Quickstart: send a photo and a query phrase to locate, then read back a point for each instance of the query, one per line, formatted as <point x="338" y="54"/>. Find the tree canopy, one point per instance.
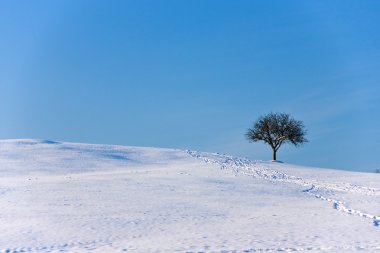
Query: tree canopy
<point x="276" y="129"/>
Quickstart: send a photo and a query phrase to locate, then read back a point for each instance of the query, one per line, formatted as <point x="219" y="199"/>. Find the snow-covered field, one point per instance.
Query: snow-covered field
<point x="67" y="197"/>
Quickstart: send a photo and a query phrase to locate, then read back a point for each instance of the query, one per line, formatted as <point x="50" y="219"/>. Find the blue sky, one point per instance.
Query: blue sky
<point x="194" y="74"/>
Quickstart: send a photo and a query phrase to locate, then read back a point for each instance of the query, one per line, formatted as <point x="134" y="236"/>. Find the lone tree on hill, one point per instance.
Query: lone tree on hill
<point x="276" y="129"/>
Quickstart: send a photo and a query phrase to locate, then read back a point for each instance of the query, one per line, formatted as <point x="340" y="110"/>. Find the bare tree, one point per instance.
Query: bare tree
<point x="276" y="129"/>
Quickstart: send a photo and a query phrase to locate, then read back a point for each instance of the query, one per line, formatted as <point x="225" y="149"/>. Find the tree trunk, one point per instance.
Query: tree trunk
<point x="274" y="155"/>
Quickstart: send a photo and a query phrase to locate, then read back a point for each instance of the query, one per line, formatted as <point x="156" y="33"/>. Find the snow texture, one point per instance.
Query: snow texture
<point x="69" y="197"/>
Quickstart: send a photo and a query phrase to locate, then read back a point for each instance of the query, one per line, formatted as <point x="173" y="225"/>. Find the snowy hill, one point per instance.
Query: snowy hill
<point x="69" y="197"/>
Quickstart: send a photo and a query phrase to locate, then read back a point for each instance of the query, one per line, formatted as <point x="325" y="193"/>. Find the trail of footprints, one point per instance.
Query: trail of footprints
<point x="254" y="169"/>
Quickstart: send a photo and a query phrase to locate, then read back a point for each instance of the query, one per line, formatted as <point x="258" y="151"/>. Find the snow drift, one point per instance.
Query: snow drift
<point x="69" y="197"/>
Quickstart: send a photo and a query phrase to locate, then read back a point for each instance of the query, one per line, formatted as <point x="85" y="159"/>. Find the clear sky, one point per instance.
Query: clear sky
<point x="194" y="74"/>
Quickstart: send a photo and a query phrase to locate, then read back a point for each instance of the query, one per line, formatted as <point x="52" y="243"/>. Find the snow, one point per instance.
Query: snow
<point x="70" y="197"/>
